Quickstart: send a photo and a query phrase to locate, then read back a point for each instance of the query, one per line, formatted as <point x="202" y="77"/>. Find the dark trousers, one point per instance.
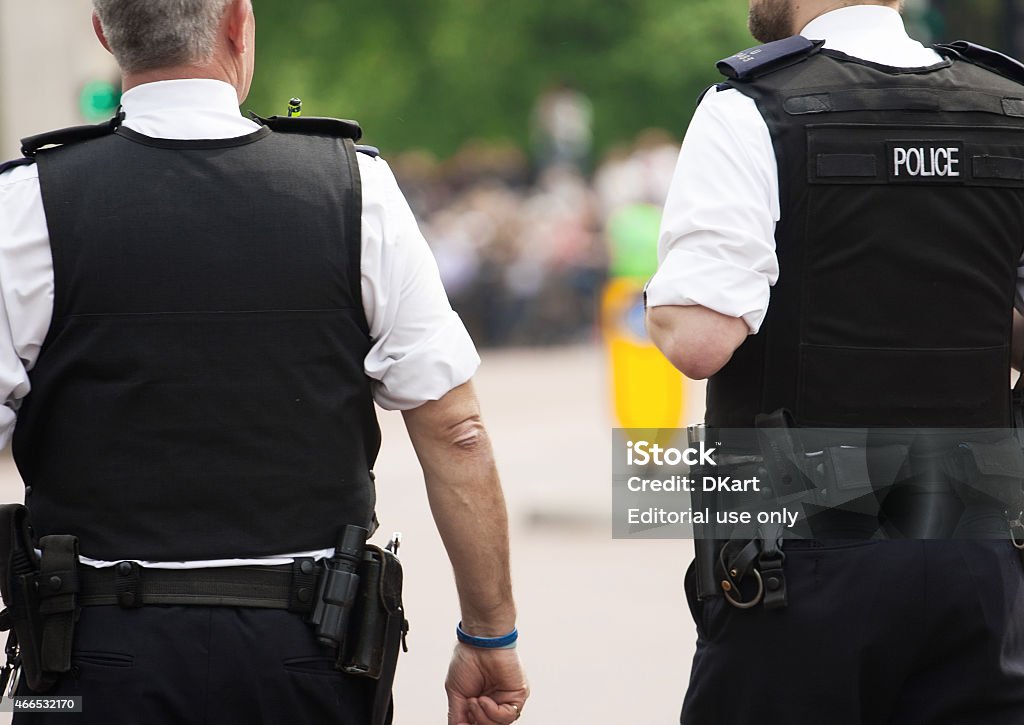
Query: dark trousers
<point x="876" y="633"/>
<point x="198" y="665"/>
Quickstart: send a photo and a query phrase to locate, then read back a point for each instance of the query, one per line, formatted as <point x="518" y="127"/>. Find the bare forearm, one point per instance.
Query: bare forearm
<point x="469" y="509"/>
<point x="698" y="341"/>
<point x="468" y="506"/>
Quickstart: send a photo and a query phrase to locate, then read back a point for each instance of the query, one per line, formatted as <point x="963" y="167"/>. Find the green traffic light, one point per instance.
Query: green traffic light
<point x="98" y="101"/>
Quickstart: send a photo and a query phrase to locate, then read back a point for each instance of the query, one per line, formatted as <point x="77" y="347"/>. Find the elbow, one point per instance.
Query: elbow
<point x="700" y="369"/>
<point x="695" y="361"/>
<point x="696" y="364"/>
<point x="467" y="435"/>
<point x="697" y="341"/>
<point x="449" y="433"/>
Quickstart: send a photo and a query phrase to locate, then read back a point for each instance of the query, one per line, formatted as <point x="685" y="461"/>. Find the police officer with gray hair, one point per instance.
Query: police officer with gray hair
<point x="840" y="248"/>
<point x="198" y="313"/>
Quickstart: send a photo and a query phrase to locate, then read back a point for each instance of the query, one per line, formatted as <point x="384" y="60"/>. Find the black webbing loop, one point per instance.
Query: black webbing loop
<point x="128" y="584"/>
<point x="57" y="586"/>
<point x="302" y="595"/>
<point x="735" y="562"/>
<point x="763" y="558"/>
<point x="770" y="562"/>
<point x="739" y="564"/>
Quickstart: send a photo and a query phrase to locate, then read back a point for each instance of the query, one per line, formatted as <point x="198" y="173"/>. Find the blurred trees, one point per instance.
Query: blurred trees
<point x="981" y="21"/>
<point x="435" y="73"/>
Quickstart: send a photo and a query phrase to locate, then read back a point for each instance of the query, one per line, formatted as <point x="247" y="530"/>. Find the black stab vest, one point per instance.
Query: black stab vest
<point x="201" y="392"/>
<point x="902" y="224"/>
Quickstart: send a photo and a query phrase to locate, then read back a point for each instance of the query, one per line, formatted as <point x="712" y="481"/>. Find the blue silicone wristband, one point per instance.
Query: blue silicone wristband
<point x="503" y="642"/>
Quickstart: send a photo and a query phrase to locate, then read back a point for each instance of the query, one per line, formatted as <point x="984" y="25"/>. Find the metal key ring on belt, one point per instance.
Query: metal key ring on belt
<point x="753" y="602"/>
<point x="1017" y="533"/>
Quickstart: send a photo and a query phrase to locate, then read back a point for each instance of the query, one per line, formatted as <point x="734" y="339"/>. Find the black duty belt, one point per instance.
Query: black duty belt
<point x="291" y="586"/>
<point x="924" y="485"/>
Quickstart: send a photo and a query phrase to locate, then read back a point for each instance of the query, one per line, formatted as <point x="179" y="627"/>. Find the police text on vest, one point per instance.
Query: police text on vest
<point x="925" y="160"/>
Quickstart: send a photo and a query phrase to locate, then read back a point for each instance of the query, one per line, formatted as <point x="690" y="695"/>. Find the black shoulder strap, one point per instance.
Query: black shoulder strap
<point x="763" y="59"/>
<point x="74" y="134"/>
<point x="311" y="124"/>
<point x="984" y="57"/>
<point x="8" y="165"/>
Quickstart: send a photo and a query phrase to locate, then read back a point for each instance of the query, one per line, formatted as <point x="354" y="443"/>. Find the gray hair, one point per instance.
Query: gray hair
<point x="147" y="35"/>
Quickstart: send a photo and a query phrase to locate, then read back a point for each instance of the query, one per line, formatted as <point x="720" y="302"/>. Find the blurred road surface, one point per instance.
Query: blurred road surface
<point x="606" y="635"/>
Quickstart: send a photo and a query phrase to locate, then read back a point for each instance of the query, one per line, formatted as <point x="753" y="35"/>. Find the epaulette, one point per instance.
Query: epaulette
<point x="64" y="136"/>
<point x="763" y="59"/>
<point x="984" y="57"/>
<point x="371" y="151"/>
<point x="8" y="165"/>
<point x="311" y="124"/>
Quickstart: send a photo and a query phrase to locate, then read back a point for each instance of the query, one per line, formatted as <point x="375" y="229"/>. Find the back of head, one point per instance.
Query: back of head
<point x="146" y="35"/>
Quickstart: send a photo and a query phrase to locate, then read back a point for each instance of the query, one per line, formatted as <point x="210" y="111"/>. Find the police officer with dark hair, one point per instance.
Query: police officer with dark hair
<point x="873" y="190"/>
<point x="197" y="313"/>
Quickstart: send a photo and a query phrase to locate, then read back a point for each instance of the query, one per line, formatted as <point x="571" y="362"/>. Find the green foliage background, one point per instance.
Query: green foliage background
<point x="435" y="73"/>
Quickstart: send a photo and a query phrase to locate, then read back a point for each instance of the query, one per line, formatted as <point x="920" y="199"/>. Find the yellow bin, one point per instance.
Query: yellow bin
<point x="647" y="392"/>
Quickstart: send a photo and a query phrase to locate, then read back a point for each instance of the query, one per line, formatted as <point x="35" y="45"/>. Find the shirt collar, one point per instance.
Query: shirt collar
<point x="870" y="32"/>
<point x="856" y="20"/>
<point x="189" y="109"/>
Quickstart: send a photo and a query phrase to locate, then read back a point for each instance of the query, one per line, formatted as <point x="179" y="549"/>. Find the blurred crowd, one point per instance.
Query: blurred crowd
<point x="522" y="245"/>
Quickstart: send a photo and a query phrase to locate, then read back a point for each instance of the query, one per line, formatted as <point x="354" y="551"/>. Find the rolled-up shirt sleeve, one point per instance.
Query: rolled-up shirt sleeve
<point x="717" y="242"/>
<point x="26" y="288"/>
<point x="420" y="348"/>
<point x="13" y="379"/>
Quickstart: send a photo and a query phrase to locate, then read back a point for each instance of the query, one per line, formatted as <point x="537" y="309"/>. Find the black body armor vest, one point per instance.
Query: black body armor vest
<point x="201" y="392"/>
<point x="902" y="197"/>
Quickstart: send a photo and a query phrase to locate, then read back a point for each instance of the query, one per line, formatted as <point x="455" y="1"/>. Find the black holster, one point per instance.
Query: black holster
<point x="40" y="595"/>
<point x="377" y="627"/>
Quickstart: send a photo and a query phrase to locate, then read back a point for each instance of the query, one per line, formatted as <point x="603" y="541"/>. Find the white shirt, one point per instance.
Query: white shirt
<point x="717" y="243"/>
<point x="420" y="350"/>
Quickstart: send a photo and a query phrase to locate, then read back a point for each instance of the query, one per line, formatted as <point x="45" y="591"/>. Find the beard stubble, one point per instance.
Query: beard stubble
<point x="771" y="20"/>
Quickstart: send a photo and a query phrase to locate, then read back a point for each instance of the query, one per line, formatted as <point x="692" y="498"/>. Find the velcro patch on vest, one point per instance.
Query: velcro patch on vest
<point x="933" y="161"/>
<point x="902" y="155"/>
<point x="999" y="167"/>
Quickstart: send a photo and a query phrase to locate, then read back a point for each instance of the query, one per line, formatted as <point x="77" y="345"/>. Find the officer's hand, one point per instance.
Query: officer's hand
<point x="485" y="686"/>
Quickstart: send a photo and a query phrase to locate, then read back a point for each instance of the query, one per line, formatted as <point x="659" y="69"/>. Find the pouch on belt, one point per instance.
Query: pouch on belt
<point x="40" y="595"/>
